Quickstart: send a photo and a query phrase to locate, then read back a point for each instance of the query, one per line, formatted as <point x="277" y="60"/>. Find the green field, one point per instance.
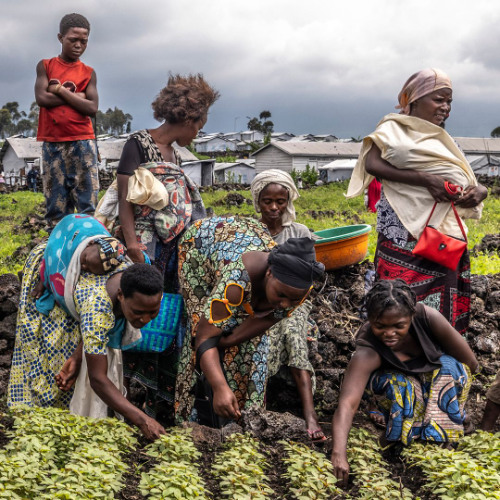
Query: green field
<point x="16" y="207"/>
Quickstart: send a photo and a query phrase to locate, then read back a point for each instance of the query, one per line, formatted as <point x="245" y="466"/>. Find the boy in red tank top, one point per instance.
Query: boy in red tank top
<point x="66" y="91"/>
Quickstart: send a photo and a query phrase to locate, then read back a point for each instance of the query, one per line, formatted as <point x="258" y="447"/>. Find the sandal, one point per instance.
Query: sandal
<point x="380" y="425"/>
<point x="317" y="439"/>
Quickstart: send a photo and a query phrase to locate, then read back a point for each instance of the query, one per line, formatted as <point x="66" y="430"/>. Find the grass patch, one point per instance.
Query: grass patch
<point x="329" y="198"/>
<point x="15" y="208"/>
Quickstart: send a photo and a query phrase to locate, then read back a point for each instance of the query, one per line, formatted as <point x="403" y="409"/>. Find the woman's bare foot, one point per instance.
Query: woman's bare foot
<point x="468" y="426"/>
<point x="314" y="429"/>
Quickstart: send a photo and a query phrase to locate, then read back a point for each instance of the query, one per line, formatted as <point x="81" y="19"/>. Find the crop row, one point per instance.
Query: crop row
<point x="239" y="468"/>
<point x="53" y="454"/>
<point x="470" y="472"/>
<point x="175" y="474"/>
<point x="370" y="471"/>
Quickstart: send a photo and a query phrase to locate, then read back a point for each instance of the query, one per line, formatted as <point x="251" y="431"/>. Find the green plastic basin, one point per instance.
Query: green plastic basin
<point x="342" y="246"/>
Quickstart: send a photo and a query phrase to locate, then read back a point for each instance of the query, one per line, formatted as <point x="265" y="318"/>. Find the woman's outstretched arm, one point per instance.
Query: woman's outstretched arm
<point x="111" y="396"/>
<point x="363" y="362"/>
<point x="450" y="340"/>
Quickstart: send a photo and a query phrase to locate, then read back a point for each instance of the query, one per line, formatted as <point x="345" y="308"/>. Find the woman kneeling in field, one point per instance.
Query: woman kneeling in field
<point x="415" y="366"/>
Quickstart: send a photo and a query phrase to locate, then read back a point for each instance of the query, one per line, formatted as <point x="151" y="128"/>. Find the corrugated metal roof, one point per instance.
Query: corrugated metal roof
<point x="336" y="164"/>
<point x="479" y="144"/>
<point x="111" y="149"/>
<point x="185" y="154"/>
<point x="315" y="148"/>
<point x="208" y="138"/>
<point x="25" y="147"/>
<point x="223" y="166"/>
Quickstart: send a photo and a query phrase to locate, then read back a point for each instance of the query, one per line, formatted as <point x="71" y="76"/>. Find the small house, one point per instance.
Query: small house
<point x="290" y="155"/>
<point x="17" y="156"/>
<point x="201" y="172"/>
<point x="281" y="136"/>
<point x="326" y="137"/>
<point x="483" y="153"/>
<point x="337" y="170"/>
<point x="214" y="144"/>
<point x="240" y="172"/>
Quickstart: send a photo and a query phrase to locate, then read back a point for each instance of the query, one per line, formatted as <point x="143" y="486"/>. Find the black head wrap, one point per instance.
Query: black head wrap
<point x="294" y="263"/>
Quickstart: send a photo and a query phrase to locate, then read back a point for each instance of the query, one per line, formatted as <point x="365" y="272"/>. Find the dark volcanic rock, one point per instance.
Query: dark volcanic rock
<point x="10" y="288"/>
<point x="8" y="327"/>
<point x="487" y="343"/>
<point x="480" y="285"/>
<point x="271" y="426"/>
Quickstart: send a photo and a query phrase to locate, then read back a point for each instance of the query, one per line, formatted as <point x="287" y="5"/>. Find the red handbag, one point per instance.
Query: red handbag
<point x="438" y="247"/>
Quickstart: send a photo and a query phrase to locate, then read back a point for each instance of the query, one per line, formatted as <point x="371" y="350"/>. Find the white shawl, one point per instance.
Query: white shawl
<point x="407" y="142"/>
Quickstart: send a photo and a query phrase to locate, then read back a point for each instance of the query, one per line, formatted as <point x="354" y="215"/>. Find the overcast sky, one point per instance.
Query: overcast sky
<point x="319" y="66"/>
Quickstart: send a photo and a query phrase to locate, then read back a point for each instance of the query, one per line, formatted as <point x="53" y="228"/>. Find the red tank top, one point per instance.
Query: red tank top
<point x="64" y="123"/>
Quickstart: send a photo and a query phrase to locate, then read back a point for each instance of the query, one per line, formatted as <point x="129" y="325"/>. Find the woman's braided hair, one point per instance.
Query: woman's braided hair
<point x="389" y="293"/>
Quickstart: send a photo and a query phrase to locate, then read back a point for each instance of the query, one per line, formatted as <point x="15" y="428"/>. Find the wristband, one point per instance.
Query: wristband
<point x="58" y="86"/>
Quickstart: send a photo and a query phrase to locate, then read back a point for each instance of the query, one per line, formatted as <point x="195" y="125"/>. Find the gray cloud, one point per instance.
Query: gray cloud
<point x="317" y="66"/>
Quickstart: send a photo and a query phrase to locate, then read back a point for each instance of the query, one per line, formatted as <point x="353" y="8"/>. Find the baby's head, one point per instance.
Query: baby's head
<point x="387" y="294"/>
<point x="102" y="255"/>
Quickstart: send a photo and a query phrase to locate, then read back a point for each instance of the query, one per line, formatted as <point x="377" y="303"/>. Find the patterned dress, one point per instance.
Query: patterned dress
<point x="210" y="259"/>
<point x="436" y="286"/>
<point x="289" y="345"/>
<point x="289" y="339"/>
<point x="156" y="372"/>
<point x="44" y="343"/>
<point x="423" y="397"/>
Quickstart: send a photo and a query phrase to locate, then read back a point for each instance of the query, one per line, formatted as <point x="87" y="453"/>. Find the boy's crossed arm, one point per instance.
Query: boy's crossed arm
<point x="50" y="95"/>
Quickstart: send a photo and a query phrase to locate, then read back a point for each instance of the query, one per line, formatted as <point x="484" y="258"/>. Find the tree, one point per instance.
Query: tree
<point x="15" y="121"/>
<point x="264" y="115"/>
<point x="13" y="108"/>
<point x="5" y="122"/>
<point x="34" y="115"/>
<point x="262" y="124"/>
<point x="24" y="126"/>
<point x="495" y="132"/>
<point x="113" y="121"/>
<point x="254" y="124"/>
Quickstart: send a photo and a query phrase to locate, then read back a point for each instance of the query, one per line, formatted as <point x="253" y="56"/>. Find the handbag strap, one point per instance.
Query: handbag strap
<point x="430" y="215"/>
<point x="456" y="216"/>
<point x="458" y="220"/>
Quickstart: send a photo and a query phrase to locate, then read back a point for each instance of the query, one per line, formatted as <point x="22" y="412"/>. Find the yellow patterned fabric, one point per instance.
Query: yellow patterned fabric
<point x="429" y="407"/>
<point x="44" y="343"/>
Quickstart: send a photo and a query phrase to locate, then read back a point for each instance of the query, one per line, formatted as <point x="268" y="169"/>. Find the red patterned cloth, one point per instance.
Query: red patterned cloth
<point x="373" y="195"/>
<point x="436" y="286"/>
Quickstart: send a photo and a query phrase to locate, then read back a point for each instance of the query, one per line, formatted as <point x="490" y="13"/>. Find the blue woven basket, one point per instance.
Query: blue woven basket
<point x="159" y="333"/>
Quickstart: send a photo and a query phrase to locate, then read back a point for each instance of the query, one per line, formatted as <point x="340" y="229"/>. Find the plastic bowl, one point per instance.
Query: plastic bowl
<point x="342" y="246"/>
